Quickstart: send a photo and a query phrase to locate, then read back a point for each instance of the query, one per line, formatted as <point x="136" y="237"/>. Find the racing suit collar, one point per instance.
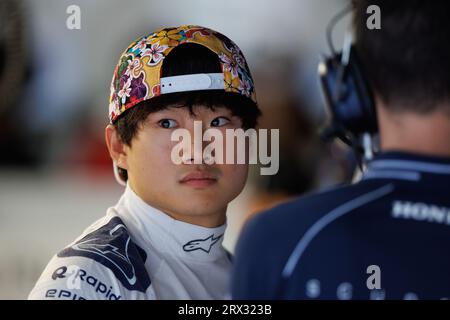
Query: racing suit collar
<point x="396" y="160"/>
<point x="409" y="156"/>
<point x="169" y="235"/>
<point x="429" y="170"/>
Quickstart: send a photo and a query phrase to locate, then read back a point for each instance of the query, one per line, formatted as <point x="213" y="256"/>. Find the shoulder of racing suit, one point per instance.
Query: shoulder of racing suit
<point x="103" y="264"/>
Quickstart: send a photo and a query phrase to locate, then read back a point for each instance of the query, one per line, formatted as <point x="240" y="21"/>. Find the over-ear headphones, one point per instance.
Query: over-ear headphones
<point x="347" y="96"/>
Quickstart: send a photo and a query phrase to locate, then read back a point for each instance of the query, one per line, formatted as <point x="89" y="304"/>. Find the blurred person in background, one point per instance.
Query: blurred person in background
<point x="163" y="239"/>
<point x="305" y="163"/>
<point x="298" y="144"/>
<point x="386" y="236"/>
<point x="14" y="73"/>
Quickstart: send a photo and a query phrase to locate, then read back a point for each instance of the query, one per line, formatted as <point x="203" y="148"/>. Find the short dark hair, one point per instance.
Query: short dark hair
<point x="407" y="61"/>
<point x="187" y="58"/>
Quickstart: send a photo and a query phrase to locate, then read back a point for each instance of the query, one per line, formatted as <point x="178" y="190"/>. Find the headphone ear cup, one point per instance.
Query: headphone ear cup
<point x="347" y="96"/>
<point x="331" y="93"/>
<point x="366" y="103"/>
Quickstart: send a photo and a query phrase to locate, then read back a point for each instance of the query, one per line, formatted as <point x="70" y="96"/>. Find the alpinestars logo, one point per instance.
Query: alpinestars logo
<point x="202" y="244"/>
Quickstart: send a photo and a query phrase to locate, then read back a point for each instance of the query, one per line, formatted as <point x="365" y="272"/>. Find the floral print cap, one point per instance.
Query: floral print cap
<point x="137" y="76"/>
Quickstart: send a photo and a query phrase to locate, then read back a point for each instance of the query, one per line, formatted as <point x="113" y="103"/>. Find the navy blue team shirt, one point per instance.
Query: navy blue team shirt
<point x="384" y="237"/>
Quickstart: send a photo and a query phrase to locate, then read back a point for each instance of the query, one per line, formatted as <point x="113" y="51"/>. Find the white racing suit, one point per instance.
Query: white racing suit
<point x="138" y="252"/>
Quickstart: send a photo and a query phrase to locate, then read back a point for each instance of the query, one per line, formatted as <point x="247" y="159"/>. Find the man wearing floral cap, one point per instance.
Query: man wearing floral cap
<point x="163" y="239"/>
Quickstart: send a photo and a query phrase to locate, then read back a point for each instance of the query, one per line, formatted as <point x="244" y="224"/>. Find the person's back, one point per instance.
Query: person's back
<point x="386" y="236"/>
<point x="330" y="245"/>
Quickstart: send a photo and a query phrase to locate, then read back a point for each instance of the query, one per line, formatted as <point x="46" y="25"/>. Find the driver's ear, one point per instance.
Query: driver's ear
<point x="116" y="147"/>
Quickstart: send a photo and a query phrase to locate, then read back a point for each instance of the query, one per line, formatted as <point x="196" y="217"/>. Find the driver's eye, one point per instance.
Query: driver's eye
<point x="167" y="123"/>
<point x="219" y="121"/>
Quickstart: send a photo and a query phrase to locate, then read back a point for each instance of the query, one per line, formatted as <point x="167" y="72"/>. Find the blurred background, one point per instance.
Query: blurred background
<point x="55" y="173"/>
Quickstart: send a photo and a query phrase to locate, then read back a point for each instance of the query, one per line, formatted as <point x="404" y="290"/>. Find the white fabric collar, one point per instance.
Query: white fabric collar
<point x="151" y="227"/>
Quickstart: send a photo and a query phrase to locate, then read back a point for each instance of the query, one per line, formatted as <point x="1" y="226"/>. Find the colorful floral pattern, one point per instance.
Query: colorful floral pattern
<point x="137" y="75"/>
